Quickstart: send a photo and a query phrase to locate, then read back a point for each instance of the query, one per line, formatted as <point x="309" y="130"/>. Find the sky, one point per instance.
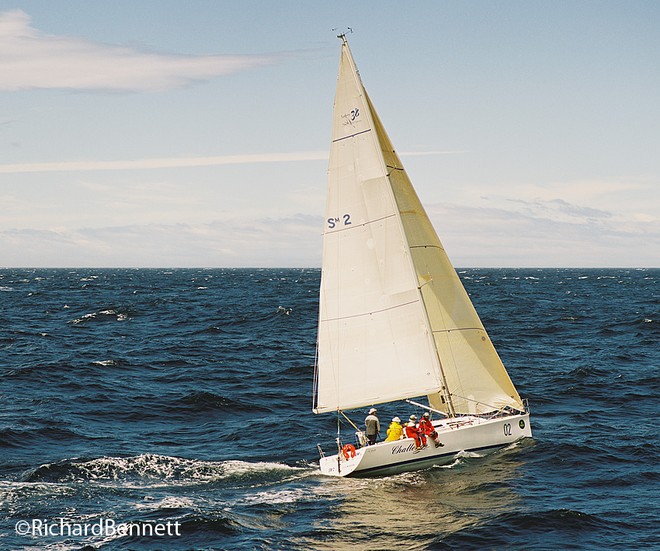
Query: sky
<point x="196" y="134"/>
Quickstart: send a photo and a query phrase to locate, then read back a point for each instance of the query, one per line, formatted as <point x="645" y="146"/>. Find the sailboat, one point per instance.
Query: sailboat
<point x="395" y="322"/>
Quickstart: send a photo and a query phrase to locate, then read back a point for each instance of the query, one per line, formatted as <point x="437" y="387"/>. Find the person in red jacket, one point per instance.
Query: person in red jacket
<point x="412" y="431"/>
<point x="426" y="428"/>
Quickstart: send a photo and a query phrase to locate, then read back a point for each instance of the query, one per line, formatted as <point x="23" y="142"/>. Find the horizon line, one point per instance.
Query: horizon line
<point x="457" y="268"/>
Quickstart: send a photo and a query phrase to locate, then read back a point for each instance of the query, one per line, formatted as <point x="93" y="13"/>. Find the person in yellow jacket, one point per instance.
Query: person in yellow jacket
<point x="395" y="430"/>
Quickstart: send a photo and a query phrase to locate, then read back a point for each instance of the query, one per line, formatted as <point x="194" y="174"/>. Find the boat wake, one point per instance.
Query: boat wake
<point x="154" y="470"/>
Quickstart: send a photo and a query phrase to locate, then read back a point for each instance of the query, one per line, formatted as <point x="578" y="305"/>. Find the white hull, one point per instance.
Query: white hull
<point x="459" y="434"/>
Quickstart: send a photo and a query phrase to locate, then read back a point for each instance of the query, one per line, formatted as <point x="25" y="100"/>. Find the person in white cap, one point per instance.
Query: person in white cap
<point x="373" y="426"/>
<point x="413" y="432"/>
<point x="395" y="432"/>
<point x="426" y="427"/>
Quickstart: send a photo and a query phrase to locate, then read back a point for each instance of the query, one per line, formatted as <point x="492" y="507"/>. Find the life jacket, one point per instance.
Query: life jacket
<point x="411" y="430"/>
<point x="394" y="432"/>
<point x="425" y="426"/>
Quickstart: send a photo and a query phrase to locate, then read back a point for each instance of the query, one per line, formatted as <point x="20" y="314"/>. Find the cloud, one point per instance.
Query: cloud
<point x="293" y="241"/>
<point x="517" y="233"/>
<point x="473" y="236"/>
<point x="178" y="162"/>
<point x="559" y="209"/>
<point x="31" y="59"/>
<point x="172" y="162"/>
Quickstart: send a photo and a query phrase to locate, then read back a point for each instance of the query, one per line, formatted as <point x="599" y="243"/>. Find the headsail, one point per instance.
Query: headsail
<point x="394" y="319"/>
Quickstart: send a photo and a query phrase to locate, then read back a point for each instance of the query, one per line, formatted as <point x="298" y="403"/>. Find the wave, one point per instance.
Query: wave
<point x="533" y="528"/>
<point x="230" y="324"/>
<point x="73" y="372"/>
<point x="169" y="503"/>
<point x="12" y="438"/>
<point x="109" y="314"/>
<point x="217" y="523"/>
<point x="276" y="497"/>
<point x="207" y="401"/>
<point x="154" y="470"/>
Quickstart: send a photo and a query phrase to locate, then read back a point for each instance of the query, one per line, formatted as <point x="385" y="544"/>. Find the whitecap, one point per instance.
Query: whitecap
<point x="160" y="470"/>
<point x="457" y="461"/>
<point x="83" y="318"/>
<point x="464" y="453"/>
<point x="168" y="502"/>
<point x="105" y="363"/>
<point x="279" y="496"/>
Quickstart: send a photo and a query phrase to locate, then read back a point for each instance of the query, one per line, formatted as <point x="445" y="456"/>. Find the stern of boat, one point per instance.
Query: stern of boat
<point x="340" y="465"/>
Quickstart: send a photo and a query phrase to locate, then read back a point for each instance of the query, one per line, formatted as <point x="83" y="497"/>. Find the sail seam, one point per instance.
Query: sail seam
<point x="351" y="135"/>
<point x="458" y="329"/>
<point x="370" y="313"/>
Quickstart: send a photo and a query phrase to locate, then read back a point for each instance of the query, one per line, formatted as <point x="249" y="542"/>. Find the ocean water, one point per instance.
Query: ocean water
<point x="139" y="398"/>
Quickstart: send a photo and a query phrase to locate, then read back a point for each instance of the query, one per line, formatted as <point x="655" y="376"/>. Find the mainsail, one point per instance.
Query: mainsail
<point x="394" y="319"/>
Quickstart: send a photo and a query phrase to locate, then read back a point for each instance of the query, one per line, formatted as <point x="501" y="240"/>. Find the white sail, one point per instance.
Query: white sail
<point x="394" y="319"/>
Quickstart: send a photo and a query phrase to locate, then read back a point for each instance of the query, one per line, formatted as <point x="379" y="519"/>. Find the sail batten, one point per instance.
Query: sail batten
<point x="372" y="312"/>
<point x="351" y="135"/>
<point x="394" y="319"/>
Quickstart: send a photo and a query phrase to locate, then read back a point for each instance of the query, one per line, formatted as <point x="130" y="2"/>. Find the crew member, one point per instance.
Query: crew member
<point x="395" y="431"/>
<point x="426" y="427"/>
<point x="413" y="432"/>
<point x="373" y="426"/>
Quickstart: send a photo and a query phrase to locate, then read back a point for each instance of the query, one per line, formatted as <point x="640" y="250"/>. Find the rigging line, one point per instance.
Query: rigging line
<point x="351" y="135"/>
<point x="371" y="313"/>
<point x="315" y="394"/>
<point x="445" y="386"/>
<point x="446" y="394"/>
<point x="338" y="444"/>
<point x="351" y="422"/>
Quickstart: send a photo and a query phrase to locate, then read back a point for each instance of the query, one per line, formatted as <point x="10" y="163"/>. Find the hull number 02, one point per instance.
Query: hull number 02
<point x="507" y="429"/>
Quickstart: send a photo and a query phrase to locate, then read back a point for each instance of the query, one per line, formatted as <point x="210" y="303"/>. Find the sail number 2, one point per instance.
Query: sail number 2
<point x="345" y="220"/>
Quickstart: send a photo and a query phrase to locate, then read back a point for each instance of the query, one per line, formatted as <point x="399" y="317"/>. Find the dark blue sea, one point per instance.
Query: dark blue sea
<point x="182" y="399"/>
